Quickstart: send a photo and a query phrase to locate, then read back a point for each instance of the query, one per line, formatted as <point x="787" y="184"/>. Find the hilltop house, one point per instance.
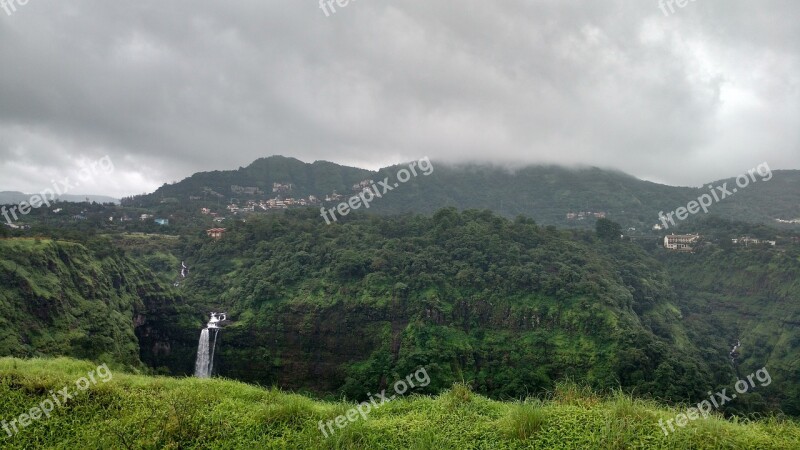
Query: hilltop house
<point x="680" y="242"/>
<point x="215" y="233"/>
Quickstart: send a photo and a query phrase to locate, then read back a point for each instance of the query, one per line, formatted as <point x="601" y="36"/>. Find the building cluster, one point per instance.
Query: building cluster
<point x="265" y="205"/>
<point x="685" y="242"/>
<point x="583" y="215"/>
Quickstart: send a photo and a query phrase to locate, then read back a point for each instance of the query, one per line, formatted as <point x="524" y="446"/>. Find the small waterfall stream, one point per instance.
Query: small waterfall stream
<point x="734" y="355"/>
<point x="734" y="351"/>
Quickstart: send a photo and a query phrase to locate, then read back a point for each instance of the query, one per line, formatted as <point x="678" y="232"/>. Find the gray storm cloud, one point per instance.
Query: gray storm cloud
<point x="170" y="88"/>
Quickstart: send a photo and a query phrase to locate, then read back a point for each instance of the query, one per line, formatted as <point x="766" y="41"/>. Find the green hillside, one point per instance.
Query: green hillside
<point x="132" y="411"/>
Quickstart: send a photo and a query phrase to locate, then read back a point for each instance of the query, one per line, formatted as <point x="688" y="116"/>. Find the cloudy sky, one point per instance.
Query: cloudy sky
<point x="169" y="88"/>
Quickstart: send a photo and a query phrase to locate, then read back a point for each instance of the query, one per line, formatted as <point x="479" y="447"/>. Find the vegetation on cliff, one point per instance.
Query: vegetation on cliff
<point x="67" y="298"/>
<point x="510" y="306"/>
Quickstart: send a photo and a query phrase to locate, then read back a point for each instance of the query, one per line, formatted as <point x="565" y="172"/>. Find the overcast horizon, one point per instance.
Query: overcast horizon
<point x="682" y="97"/>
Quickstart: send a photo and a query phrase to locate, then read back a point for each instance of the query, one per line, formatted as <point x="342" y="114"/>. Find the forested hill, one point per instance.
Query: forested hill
<point x="316" y="178"/>
<point x="510" y="305"/>
<point x="545" y="193"/>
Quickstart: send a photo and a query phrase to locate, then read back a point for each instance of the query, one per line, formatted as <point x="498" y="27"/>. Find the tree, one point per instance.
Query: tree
<point x="607" y="229"/>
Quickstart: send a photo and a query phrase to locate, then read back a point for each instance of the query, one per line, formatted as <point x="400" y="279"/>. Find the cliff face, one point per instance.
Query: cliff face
<point x="302" y="347"/>
<point x="343" y="347"/>
<point x="167" y="333"/>
<point x="64" y="298"/>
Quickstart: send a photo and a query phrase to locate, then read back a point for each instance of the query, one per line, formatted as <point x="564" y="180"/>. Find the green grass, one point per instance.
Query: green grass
<point x="133" y="411"/>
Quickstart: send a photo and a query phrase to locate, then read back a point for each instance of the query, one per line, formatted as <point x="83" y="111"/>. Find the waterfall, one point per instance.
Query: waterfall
<point x="202" y="367"/>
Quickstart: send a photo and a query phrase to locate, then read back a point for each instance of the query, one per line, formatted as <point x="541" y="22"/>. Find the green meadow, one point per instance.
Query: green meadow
<point x="149" y="412"/>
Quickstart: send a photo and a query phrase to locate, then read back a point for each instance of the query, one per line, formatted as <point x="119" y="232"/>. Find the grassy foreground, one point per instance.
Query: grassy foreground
<point x="133" y="411"/>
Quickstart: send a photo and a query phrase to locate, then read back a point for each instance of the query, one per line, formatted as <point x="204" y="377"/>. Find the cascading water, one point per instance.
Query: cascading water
<point x="204" y="364"/>
<point x="202" y="367"/>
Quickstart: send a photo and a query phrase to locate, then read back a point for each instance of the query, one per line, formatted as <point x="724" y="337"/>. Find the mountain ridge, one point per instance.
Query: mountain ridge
<point x="547" y="193"/>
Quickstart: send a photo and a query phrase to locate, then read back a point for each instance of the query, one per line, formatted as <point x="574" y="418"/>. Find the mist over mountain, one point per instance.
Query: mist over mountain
<point x="547" y="193"/>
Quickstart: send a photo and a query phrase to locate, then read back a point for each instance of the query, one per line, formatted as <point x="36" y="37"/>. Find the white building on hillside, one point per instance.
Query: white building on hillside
<point x="680" y="242"/>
